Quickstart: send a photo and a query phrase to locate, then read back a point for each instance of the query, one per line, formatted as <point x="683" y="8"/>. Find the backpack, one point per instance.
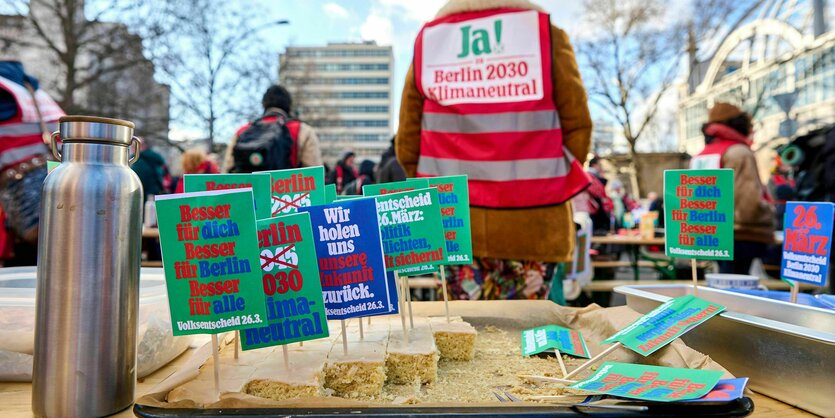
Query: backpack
<point x="267" y="145"/>
<point x="355" y="187"/>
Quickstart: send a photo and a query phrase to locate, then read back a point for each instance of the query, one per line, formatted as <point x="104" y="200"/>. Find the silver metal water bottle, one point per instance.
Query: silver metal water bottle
<point x="88" y="272"/>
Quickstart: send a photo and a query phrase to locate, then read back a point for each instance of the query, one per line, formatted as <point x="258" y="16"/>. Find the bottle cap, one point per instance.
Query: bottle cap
<point x="95" y="129"/>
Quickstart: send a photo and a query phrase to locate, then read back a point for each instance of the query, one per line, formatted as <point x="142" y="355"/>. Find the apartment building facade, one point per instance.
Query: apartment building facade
<point x="343" y="90"/>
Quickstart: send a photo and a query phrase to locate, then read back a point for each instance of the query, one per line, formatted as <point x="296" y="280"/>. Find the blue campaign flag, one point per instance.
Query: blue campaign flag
<point x="806" y="246"/>
<point x="351" y="265"/>
<point x="725" y="390"/>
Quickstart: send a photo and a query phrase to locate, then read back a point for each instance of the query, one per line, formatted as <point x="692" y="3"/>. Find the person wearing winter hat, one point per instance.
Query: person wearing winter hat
<point x="494" y="92"/>
<point x="728" y="145"/>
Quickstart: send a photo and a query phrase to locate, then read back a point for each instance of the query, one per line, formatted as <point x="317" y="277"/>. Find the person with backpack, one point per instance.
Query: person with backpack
<point x="344" y="172"/>
<point x="274" y="141"/>
<point x="366" y="176"/>
<point x="389" y="170"/>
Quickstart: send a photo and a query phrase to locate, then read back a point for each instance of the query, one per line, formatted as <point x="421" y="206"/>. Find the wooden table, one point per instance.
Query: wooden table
<point x="609" y="285"/>
<point x="626" y="240"/>
<point x="15" y="398"/>
<point x="149" y="234"/>
<point x="635" y="242"/>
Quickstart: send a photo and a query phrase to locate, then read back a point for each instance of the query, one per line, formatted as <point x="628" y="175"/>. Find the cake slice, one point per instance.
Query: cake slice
<point x="361" y="372"/>
<point x="234" y="375"/>
<point x="455" y="340"/>
<point x="304" y="377"/>
<point x="415" y="360"/>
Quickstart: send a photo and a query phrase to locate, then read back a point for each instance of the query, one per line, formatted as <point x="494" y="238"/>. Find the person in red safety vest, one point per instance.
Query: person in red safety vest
<point x="728" y="145"/>
<point x="27" y="117"/>
<point x="494" y="92"/>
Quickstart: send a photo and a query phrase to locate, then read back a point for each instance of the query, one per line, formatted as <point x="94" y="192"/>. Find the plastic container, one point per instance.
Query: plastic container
<point x="733" y="281"/>
<point x="802" y="298"/>
<point x="156" y="344"/>
<point x="828" y="300"/>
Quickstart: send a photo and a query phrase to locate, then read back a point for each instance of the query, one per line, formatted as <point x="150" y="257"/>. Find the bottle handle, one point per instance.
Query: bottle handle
<point x="53" y="146"/>
<point x="137" y="148"/>
<point x="135" y="141"/>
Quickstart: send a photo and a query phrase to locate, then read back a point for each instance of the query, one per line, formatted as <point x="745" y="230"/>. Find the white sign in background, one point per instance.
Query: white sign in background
<point x="454" y="73"/>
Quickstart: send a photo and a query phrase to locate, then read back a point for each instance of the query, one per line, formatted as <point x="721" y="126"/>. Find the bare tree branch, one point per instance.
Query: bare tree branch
<point x="215" y="81"/>
<point x="633" y="60"/>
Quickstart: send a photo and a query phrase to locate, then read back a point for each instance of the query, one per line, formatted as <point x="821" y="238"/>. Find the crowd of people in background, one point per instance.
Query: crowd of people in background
<point x="759" y="209"/>
<point x="346" y="174"/>
<point x="527" y="208"/>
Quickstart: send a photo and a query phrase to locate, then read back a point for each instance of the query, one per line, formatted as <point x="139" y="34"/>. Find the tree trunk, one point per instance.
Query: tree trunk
<point x="211" y="140"/>
<point x="68" y="99"/>
<point x="634" y="171"/>
<point x="212" y="119"/>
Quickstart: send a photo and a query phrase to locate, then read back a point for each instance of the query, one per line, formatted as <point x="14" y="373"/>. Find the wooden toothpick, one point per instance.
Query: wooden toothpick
<point x="409" y="301"/>
<point x="402" y="307"/>
<point x="344" y="338"/>
<point x="286" y="357"/>
<point x="695" y="277"/>
<point x="562" y="363"/>
<point x="216" y="358"/>
<point x="593" y="360"/>
<point x="548" y="379"/>
<point x="446" y="297"/>
<point x="793" y="292"/>
<point x="237" y="342"/>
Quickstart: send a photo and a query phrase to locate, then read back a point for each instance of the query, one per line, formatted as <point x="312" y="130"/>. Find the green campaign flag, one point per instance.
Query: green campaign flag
<point x="349" y="197"/>
<point x="665" y="323"/>
<point x="210" y="258"/>
<point x="394" y="187"/>
<point x="549" y="337"/>
<point x="258" y="182"/>
<point x="290" y="281"/>
<point x="650" y="383"/>
<point x="397" y="187"/>
<point x="699" y="214"/>
<point x="295" y="188"/>
<point x="330" y="193"/>
<point x="454" y="198"/>
<point x="411" y="229"/>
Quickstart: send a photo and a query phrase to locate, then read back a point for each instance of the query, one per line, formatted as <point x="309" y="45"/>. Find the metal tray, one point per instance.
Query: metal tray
<point x="512" y="316"/>
<point x="787" y="350"/>
<point x="736" y="408"/>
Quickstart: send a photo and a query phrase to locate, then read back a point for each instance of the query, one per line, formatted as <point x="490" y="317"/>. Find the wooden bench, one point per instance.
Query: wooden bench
<point x="424" y="283"/>
<point x="609" y="285"/>
<point x="619" y="263"/>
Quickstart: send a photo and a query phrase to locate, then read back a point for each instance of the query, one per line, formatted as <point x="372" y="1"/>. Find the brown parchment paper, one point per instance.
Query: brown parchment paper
<point x="594" y="322"/>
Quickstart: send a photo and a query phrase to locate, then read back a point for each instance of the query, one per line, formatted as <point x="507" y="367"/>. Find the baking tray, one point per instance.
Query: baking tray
<point x="736" y="408"/>
<point x="787" y="350"/>
<point x="511" y="316"/>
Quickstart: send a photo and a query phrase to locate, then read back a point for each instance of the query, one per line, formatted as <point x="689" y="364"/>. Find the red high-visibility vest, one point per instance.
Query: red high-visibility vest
<point x="711" y="155"/>
<point x="21" y="136"/>
<point x="489" y="110"/>
<point x="711" y="158"/>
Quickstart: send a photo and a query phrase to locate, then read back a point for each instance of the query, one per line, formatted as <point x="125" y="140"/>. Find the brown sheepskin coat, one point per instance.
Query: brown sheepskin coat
<point x="541" y="234"/>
